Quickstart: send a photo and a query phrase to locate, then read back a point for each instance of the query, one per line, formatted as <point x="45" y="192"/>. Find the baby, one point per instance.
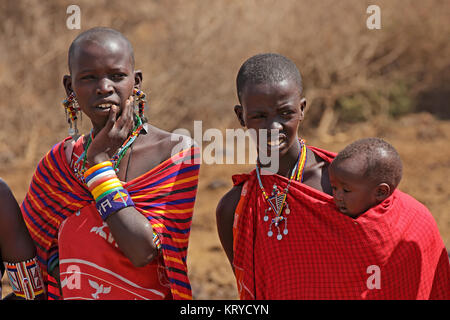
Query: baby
<point x="364" y="174"/>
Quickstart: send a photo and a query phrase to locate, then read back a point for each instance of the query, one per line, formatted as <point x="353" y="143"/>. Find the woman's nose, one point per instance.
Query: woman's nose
<point x="104" y="86"/>
<point x="275" y="125"/>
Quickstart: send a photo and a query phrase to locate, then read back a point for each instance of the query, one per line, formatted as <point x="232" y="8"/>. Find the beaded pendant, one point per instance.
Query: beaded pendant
<point x="278" y="206"/>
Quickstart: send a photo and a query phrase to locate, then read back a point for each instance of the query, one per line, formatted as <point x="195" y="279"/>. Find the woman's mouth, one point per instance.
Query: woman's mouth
<point x="105" y="106"/>
<point x="274" y="143"/>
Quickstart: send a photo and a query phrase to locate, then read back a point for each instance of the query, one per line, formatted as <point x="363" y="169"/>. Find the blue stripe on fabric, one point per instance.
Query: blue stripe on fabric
<point x="59" y="168"/>
<point x="179" y="201"/>
<point x="172" y="248"/>
<point x="180" y="283"/>
<point x="36" y="223"/>
<point x="56" y="212"/>
<point x="181" y="171"/>
<point x="59" y="187"/>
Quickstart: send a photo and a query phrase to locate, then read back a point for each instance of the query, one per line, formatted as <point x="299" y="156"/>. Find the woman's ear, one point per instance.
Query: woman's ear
<point x="302" y="108"/>
<point x="67" y="83"/>
<point x="382" y="191"/>
<point x="240" y="114"/>
<point x="138" y="79"/>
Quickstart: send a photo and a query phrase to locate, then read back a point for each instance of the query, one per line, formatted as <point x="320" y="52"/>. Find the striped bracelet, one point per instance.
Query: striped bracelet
<point x="156" y="240"/>
<point x="25" y="278"/>
<point x="108" y="192"/>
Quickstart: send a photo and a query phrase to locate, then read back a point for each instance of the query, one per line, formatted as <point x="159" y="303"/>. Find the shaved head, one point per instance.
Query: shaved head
<point x="105" y="37"/>
<point x="267" y="68"/>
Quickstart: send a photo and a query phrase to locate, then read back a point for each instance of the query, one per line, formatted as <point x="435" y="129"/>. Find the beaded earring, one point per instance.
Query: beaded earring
<point x="140" y="101"/>
<point x="72" y="110"/>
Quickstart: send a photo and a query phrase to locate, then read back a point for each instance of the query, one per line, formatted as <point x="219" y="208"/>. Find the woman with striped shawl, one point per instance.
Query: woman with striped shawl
<point x="110" y="211"/>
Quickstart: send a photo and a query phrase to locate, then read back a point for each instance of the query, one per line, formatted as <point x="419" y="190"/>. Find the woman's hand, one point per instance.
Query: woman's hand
<point x="112" y="135"/>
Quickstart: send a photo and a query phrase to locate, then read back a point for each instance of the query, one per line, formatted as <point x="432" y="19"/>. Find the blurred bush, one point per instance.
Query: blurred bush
<point x="190" y="52"/>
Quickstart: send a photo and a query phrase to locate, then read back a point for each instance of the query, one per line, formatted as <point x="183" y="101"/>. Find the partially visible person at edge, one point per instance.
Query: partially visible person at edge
<point x="110" y="211"/>
<point x="282" y="232"/>
<point x="17" y="251"/>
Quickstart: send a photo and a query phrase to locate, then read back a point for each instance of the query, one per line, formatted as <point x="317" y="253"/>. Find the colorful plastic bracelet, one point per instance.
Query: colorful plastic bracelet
<point x="106" y="189"/>
<point x="100" y="178"/>
<point x="96" y="167"/>
<point x="105" y="186"/>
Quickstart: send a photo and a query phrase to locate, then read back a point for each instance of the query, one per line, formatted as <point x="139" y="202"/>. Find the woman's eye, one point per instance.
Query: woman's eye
<point x="118" y="76"/>
<point x="346" y="190"/>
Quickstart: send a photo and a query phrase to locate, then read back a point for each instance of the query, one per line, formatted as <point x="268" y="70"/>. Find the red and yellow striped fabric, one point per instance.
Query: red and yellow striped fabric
<point x="165" y="195"/>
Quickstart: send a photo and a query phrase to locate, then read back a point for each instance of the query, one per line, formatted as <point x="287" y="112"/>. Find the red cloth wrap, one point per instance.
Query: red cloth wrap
<point x="392" y="251"/>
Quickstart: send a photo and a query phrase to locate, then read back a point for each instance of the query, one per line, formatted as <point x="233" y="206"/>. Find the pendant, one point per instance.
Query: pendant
<point x="277" y="202"/>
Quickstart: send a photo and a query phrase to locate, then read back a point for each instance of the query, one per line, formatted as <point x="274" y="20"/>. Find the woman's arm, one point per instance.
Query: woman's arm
<point x="225" y="217"/>
<point x="15" y="241"/>
<point x="132" y="231"/>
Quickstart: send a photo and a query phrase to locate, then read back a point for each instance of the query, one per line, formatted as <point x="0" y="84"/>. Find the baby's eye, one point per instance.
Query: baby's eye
<point x="346" y="190"/>
<point x="258" y="116"/>
<point x="88" y="77"/>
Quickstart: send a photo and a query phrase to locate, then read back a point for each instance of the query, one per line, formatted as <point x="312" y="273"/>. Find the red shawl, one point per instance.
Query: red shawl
<point x="165" y="195"/>
<point x="392" y="251"/>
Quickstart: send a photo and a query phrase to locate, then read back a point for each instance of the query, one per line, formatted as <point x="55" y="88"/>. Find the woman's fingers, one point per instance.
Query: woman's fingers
<point x="111" y="119"/>
<point x="125" y="121"/>
<point x="114" y="133"/>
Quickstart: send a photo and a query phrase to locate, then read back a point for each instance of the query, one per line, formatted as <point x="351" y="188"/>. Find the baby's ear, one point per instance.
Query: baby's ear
<point x="382" y="191"/>
<point x="240" y="114"/>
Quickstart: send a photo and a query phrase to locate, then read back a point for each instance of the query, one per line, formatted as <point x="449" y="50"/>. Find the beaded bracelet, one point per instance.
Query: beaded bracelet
<point x="156" y="240"/>
<point x="25" y="278"/>
<point x="109" y="194"/>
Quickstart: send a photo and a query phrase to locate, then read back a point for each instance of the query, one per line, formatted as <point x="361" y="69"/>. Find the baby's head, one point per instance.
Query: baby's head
<point x="364" y="174"/>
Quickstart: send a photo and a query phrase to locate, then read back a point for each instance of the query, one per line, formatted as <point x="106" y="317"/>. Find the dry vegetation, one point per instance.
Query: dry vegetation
<point x="358" y="82"/>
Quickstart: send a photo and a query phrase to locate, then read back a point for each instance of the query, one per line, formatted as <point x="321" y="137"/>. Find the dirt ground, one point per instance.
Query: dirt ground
<point x="422" y="141"/>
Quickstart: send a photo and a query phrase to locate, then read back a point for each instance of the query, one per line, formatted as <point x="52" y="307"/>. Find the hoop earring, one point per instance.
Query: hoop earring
<point x="140" y="101"/>
<point x="72" y="110"/>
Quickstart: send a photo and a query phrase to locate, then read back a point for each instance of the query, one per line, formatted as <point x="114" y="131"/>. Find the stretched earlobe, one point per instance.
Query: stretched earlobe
<point x="240" y="114"/>
<point x="67" y="83"/>
<point x="138" y="79"/>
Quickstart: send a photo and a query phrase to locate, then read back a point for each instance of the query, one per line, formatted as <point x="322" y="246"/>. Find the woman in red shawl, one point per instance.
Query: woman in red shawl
<point x="282" y="232"/>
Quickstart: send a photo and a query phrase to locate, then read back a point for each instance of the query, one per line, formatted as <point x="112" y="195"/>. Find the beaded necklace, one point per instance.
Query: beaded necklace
<point x="277" y="200"/>
<point x="116" y="158"/>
